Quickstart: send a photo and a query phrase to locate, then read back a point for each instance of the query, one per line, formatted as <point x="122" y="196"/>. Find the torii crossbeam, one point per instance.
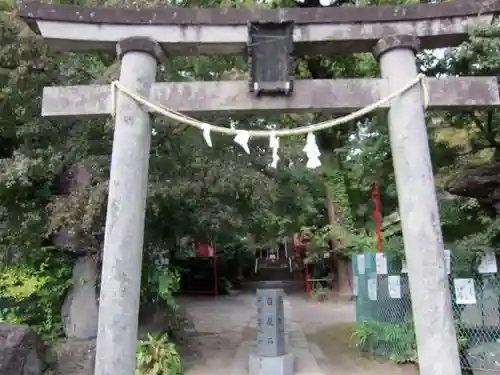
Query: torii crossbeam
<point x="232" y="97"/>
<point x="215" y="31"/>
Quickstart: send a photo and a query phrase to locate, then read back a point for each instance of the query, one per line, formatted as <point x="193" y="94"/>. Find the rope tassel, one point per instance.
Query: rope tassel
<point x="312" y="152"/>
<point x="242" y="138"/>
<point x="274" y="144"/>
<point x="206" y="134"/>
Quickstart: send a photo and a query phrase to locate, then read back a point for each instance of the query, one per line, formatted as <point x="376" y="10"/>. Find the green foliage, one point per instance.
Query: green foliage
<point x="473" y="136"/>
<point x="221" y="193"/>
<point x="194" y="190"/>
<point x="158" y="283"/>
<point x="468" y="251"/>
<point x="32" y="293"/>
<point x="351" y="242"/>
<point x="396" y="341"/>
<point x="335" y="179"/>
<point x="217" y="192"/>
<point x="157" y="356"/>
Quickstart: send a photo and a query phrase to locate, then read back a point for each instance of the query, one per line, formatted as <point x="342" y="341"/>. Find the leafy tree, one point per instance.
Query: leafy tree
<point x="221" y="193"/>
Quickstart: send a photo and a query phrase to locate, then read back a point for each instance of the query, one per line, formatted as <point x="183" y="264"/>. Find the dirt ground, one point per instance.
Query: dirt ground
<point x="328" y="326"/>
<point x="226" y="326"/>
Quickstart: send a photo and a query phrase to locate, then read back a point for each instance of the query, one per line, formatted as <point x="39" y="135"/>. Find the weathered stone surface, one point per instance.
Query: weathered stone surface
<point x="232" y="97"/>
<point x="396" y="41"/>
<point x="71" y="184"/>
<point x="80" y="309"/>
<point x="66" y="239"/>
<point x="155" y="319"/>
<point x="21" y="351"/>
<point x="337" y="30"/>
<point x="139" y="44"/>
<point x="75" y="178"/>
<point x="75" y="357"/>
<point x="240" y="16"/>
<point x="271" y="323"/>
<point x="482" y="183"/>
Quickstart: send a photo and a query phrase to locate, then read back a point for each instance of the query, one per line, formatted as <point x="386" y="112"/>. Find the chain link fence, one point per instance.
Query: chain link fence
<point x="384" y="311"/>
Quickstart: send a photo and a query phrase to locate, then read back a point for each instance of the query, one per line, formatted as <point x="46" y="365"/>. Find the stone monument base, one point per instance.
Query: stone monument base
<point x="259" y="365"/>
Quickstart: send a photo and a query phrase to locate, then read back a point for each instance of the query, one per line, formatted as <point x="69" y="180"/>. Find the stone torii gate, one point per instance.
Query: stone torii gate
<point x="392" y="33"/>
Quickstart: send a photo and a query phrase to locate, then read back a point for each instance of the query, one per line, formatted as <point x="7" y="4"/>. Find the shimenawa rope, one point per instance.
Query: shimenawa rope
<point x="179" y="117"/>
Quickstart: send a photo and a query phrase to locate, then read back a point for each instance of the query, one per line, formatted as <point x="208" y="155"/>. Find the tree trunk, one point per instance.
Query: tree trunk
<point x="344" y="275"/>
<point x="341" y="264"/>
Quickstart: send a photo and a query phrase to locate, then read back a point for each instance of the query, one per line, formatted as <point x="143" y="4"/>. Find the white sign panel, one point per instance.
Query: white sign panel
<point x="447" y="261"/>
<point x="488" y="264"/>
<point x="372" y="289"/>
<point x="404" y="267"/>
<point x="361" y="264"/>
<point x="465" y="293"/>
<point x="355" y="285"/>
<point x="381" y="263"/>
<point x="394" y="285"/>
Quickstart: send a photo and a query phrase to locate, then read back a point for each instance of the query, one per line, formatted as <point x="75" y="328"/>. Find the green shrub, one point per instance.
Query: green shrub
<point x="394" y="341"/>
<point x="32" y="292"/>
<point x="159" y="283"/>
<point x="157" y="356"/>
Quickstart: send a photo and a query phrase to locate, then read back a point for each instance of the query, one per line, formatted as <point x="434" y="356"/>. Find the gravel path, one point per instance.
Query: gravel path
<point x="319" y="333"/>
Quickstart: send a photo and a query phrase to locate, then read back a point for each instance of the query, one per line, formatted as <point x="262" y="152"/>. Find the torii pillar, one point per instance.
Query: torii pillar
<point x="419" y="212"/>
<point x="124" y="235"/>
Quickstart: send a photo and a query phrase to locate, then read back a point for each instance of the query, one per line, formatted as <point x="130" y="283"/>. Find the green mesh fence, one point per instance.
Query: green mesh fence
<point x="384" y="312"/>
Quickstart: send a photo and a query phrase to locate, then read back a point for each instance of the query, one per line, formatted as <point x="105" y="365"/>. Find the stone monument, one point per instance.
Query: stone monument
<point x="271" y="356"/>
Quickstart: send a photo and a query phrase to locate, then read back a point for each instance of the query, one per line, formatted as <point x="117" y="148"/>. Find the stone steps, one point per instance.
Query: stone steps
<point x="288" y="286"/>
<point x="272" y="270"/>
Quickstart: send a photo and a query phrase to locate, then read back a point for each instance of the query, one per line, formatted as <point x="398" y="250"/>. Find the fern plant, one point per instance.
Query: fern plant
<point x="157" y="356"/>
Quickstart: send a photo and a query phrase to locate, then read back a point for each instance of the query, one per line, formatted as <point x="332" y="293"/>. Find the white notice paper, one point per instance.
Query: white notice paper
<point x="381" y="264"/>
<point x="355" y="286"/>
<point x="404" y="267"/>
<point x="447" y="261"/>
<point x="361" y="264"/>
<point x="372" y="289"/>
<point x="465" y="293"/>
<point x="488" y="264"/>
<point x="394" y="285"/>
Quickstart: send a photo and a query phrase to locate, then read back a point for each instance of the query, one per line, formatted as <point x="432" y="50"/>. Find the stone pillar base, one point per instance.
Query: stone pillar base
<point x="282" y="365"/>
